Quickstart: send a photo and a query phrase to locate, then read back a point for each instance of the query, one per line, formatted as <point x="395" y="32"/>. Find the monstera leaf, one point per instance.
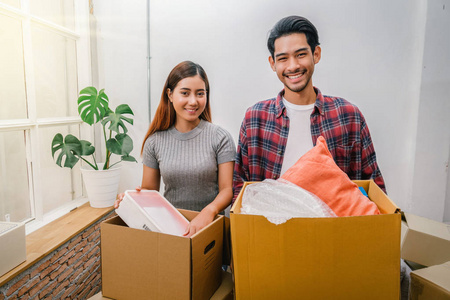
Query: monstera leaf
<point x="122" y="145"/>
<point x="69" y="147"/>
<point x="92" y="106"/>
<point x="116" y="119"/>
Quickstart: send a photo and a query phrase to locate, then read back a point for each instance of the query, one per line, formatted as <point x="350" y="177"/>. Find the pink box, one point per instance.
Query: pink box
<point x="149" y="210"/>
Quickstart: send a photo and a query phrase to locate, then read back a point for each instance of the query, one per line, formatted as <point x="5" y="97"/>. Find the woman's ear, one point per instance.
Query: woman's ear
<point x="169" y="94"/>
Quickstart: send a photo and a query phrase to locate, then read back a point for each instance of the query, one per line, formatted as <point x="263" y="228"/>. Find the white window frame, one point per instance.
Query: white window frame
<point x="30" y="126"/>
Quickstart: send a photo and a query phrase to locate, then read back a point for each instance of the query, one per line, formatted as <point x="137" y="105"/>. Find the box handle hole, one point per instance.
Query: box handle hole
<point x="209" y="247"/>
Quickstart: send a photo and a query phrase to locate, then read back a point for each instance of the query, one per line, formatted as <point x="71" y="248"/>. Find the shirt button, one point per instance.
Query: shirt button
<point x="274" y="177"/>
<point x="279" y="152"/>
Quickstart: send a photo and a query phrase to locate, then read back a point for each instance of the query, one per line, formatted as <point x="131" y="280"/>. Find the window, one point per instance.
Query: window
<point x="44" y="59"/>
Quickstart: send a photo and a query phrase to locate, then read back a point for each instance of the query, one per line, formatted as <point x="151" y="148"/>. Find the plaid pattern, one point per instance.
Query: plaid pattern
<point x="264" y="131"/>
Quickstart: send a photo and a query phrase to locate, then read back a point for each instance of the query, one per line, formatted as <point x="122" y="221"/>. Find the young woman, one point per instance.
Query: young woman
<point x="194" y="157"/>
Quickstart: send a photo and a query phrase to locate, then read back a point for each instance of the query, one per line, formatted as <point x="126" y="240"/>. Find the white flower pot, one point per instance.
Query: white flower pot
<point x="101" y="185"/>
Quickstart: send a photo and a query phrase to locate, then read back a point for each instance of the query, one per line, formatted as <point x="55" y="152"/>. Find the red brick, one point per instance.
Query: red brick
<point x="60" y="287"/>
<point x="75" y="275"/>
<point x="74" y="242"/>
<point x="47" y="290"/>
<point x="66" y="256"/>
<point x="55" y="273"/>
<point x="25" y="288"/>
<point x="41" y="267"/>
<point x="48" y="270"/>
<point x="94" y="236"/>
<point x="78" y="264"/>
<point x="88" y="232"/>
<point x="74" y="258"/>
<point x="17" y="285"/>
<point x="58" y="254"/>
<point x="2" y="297"/>
<point x="83" y="276"/>
<point x="88" y="248"/>
<point x="93" y="292"/>
<point x="90" y="262"/>
<point x="65" y="274"/>
<point x="80" y="245"/>
<point x="96" y="265"/>
<point x="94" y="252"/>
<point x="84" y="292"/>
<point x="39" y="286"/>
<point x="68" y="291"/>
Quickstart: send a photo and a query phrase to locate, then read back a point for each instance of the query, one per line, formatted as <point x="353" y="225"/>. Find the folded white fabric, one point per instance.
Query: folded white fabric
<point x="280" y="200"/>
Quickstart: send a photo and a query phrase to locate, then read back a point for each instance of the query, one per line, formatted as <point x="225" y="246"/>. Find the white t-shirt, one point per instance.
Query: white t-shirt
<point x="299" y="139"/>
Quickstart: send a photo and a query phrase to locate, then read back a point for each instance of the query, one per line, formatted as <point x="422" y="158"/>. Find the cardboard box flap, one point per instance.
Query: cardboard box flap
<point x="425" y="241"/>
<point x="427" y="226"/>
<point x="384" y="203"/>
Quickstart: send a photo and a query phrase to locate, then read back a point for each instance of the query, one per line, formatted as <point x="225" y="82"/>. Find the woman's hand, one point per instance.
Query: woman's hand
<point x="120" y="197"/>
<point x="205" y="217"/>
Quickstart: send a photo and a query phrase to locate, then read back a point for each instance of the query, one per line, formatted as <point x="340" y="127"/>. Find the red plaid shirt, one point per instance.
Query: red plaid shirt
<point x="265" y="129"/>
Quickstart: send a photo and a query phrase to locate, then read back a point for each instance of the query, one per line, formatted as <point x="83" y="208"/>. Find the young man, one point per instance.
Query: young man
<point x="275" y="133"/>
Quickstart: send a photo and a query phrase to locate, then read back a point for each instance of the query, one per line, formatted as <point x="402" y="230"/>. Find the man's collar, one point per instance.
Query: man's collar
<point x="318" y="105"/>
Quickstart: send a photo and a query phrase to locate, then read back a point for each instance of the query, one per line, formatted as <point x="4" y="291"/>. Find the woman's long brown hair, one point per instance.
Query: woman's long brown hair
<point x="165" y="113"/>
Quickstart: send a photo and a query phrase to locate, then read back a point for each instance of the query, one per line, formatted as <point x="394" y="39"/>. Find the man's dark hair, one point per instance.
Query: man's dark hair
<point x="290" y="25"/>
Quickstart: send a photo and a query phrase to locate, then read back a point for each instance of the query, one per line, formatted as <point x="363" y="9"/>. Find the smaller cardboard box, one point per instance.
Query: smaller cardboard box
<point x="318" y="258"/>
<point x="139" y="264"/>
<point x="12" y="246"/>
<point x="424" y="241"/>
<point x="431" y="283"/>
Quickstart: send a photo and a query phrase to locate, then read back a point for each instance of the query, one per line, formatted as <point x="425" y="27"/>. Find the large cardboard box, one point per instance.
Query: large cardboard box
<point x="431" y="283"/>
<point x="424" y="241"/>
<point x="139" y="264"/>
<point x="318" y="258"/>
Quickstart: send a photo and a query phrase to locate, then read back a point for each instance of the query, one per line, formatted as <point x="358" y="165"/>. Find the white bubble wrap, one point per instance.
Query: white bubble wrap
<point x="280" y="200"/>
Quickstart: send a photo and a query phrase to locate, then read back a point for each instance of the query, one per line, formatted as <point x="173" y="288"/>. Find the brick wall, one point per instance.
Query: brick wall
<point x="70" y="272"/>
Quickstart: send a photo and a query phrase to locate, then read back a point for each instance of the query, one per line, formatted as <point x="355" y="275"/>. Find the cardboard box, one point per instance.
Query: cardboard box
<point x="431" y="283"/>
<point x="318" y="258"/>
<point x="425" y="241"/>
<point x="139" y="264"/>
<point x="12" y="246"/>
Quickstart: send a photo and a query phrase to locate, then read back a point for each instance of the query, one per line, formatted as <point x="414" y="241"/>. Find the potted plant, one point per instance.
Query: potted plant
<point x="93" y="107"/>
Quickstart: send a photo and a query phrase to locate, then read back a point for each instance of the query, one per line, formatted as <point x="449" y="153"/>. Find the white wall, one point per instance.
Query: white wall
<point x="433" y="129"/>
<point x="121" y="54"/>
<point x="373" y="53"/>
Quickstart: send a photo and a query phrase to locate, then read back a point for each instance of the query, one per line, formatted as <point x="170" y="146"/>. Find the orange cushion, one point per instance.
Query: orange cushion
<point x="317" y="173"/>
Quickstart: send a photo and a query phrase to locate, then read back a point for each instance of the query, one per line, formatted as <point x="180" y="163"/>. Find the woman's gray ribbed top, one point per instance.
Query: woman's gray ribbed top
<point x="188" y="162"/>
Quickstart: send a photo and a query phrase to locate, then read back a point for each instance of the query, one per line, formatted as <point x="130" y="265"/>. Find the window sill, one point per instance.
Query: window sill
<point x="43" y="241"/>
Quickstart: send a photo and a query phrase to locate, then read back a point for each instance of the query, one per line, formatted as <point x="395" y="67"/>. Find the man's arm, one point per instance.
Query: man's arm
<point x="369" y="165"/>
<point x="241" y="165"/>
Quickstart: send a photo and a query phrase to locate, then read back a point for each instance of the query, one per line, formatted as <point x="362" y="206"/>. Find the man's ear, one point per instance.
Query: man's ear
<point x="169" y="94"/>
<point x="272" y="63"/>
<point x="317" y="54"/>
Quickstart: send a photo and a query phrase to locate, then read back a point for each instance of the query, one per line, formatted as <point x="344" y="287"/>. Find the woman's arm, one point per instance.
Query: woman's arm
<point x="222" y="200"/>
<point x="150" y="179"/>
